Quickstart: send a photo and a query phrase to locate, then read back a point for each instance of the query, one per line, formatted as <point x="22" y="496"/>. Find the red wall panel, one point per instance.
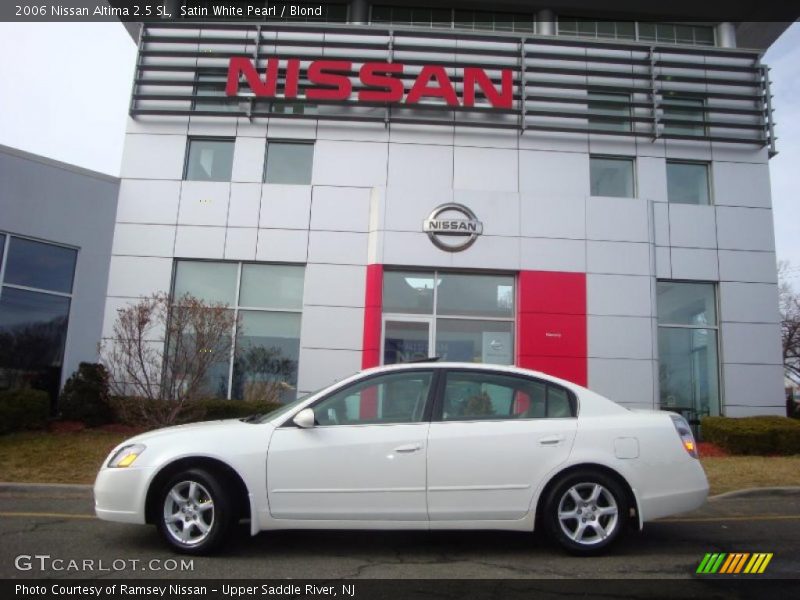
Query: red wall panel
<point x="373" y="305"/>
<point x="551" y="324"/>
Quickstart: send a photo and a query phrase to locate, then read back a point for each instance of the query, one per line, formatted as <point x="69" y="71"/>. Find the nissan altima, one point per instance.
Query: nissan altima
<point x="414" y="446"/>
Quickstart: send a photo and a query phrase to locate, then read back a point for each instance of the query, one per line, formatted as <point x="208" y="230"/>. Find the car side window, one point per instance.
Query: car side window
<point x="470" y="396"/>
<point x="389" y="398"/>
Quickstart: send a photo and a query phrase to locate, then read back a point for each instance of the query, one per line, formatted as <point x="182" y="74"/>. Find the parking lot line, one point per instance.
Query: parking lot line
<point x="46" y="515"/>
<point x="738" y="518"/>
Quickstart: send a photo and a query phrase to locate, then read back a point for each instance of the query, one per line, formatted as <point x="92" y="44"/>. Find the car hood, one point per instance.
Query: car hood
<point x="203" y="427"/>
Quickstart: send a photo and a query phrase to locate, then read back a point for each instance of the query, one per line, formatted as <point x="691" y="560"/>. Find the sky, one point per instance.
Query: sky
<point x="66" y="89"/>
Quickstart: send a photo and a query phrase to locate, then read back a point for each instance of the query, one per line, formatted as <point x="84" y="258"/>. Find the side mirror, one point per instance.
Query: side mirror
<point x="304" y="419"/>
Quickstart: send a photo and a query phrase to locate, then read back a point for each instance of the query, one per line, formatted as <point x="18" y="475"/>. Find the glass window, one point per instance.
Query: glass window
<point x="684" y="109"/>
<point x="33" y="331"/>
<point x="267" y="329"/>
<point x="471" y="20"/>
<point x="490" y="396"/>
<point x="686" y="303"/>
<point x="210" y="282"/>
<point x="272" y="286"/>
<point x="39" y="265"/>
<point x="408" y="292"/>
<point x="212" y="86"/>
<point x="687" y="348"/>
<point x="386" y="399"/>
<point x="611" y="177"/>
<point x="455" y="316"/>
<point x="475" y="295"/>
<point x="612" y="105"/>
<point x="687" y="183"/>
<point x="289" y="162"/>
<point x="472" y="340"/>
<point x="209" y="160"/>
<point x="267" y="355"/>
<point x="2" y="247"/>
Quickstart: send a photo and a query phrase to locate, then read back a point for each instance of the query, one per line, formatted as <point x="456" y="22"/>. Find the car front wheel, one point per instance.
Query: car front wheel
<point x="195" y="514"/>
<point x="586" y="512"/>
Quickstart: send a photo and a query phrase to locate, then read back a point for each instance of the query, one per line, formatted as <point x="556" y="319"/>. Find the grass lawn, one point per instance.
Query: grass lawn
<point x="75" y="457"/>
<point x="51" y="457"/>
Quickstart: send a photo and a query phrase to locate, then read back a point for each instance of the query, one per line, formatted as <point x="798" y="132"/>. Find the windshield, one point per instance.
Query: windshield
<point x="264" y="417"/>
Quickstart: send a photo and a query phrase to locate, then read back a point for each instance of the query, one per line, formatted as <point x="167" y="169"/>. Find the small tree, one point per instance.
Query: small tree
<point x="162" y="353"/>
<point x="789" y="301"/>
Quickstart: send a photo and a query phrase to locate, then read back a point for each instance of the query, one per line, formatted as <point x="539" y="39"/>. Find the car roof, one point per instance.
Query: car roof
<point x="434" y="364"/>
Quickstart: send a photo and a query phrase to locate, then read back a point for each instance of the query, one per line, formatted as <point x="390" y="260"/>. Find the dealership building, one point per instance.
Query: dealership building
<point x="504" y="183"/>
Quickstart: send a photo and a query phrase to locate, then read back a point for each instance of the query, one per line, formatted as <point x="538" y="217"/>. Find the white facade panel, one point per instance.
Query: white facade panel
<point x="748" y="343"/>
<point x="741" y="184"/>
<point x="692" y="226"/>
<point x="553" y="216"/>
<point x="543" y="254"/>
<point x="334" y="285"/>
<point x="321" y="367"/>
<point x="240" y="243"/>
<point x="735" y="265"/>
<point x="749" y="302"/>
<point x="153" y="156"/>
<point x="204" y="203"/>
<point x="620" y="337"/>
<point x="617" y="219"/>
<point x="628" y="382"/>
<point x="337" y="327"/>
<point x="285" y="206"/>
<point x="490" y="252"/>
<point x="142" y="201"/>
<point x="745" y="229"/>
<point x="143" y="240"/>
<point x="248" y="159"/>
<point x="244" y="205"/>
<point x="621" y="258"/>
<point x="282" y="245"/>
<point x="200" y="242"/>
<point x="486" y="169"/>
<point x="553" y="174"/>
<point x="341" y="248"/>
<point x="421" y="166"/>
<point x="353" y="164"/>
<point x="694" y="264"/>
<point x="651" y="178"/>
<point x="754" y="390"/>
<point x="133" y="276"/>
<point x="340" y="208"/>
<point x="624" y="295"/>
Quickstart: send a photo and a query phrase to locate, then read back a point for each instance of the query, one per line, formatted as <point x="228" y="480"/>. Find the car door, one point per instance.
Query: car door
<point x="493" y="437"/>
<point x="365" y="457"/>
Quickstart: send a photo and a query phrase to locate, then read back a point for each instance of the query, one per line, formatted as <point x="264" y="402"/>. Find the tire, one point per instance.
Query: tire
<point x="585" y="512"/>
<point x="194" y="514"/>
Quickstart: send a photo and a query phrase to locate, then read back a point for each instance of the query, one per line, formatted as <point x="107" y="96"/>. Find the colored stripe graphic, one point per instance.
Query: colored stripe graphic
<point x="734" y="563"/>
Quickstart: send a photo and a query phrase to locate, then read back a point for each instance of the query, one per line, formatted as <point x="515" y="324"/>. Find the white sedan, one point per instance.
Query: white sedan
<point x="414" y="446"/>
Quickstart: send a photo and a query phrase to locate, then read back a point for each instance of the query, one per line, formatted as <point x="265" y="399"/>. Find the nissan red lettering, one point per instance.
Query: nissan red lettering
<point x="331" y="80"/>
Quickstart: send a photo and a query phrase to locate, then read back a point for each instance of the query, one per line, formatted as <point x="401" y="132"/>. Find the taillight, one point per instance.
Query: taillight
<point x="685" y="433"/>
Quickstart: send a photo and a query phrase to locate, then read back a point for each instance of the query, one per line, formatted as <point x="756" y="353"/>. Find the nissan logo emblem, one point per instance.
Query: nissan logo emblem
<point x="450" y="232"/>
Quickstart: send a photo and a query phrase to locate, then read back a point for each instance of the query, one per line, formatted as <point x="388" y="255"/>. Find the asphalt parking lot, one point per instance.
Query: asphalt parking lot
<point x="58" y="522"/>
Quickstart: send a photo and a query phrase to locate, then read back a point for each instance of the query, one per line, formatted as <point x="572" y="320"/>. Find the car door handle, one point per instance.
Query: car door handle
<point x="409" y="448"/>
<point x="551" y="440"/>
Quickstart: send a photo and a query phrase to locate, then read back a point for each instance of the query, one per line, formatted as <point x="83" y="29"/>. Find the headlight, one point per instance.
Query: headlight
<point x="125" y="456"/>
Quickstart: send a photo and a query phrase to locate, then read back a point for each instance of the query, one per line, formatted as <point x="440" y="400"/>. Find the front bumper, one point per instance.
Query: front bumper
<point x="119" y="494"/>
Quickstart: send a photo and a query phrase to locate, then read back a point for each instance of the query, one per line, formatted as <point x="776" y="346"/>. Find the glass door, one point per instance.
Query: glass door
<point x="406" y="339"/>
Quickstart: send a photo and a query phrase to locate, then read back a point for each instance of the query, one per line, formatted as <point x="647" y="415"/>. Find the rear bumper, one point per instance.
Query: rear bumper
<point x="688" y="491"/>
<point x="119" y="494"/>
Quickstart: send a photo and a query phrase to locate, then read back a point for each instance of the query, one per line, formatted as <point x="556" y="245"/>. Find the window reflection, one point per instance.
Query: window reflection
<point x="40" y="265"/>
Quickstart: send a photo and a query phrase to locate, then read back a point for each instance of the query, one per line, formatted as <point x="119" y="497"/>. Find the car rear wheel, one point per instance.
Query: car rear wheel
<point x="195" y="515"/>
<point x="586" y="512"/>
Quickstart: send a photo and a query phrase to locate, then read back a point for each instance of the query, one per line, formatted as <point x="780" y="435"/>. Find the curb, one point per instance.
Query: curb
<point x="765" y="491"/>
<point x="33" y="487"/>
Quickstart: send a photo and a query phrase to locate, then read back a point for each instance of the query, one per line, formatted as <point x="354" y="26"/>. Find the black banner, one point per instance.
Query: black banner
<point x="340" y="11"/>
<point x="381" y="589"/>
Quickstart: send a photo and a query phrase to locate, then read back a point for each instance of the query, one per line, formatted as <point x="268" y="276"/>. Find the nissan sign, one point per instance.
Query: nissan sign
<point x="452" y="227"/>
